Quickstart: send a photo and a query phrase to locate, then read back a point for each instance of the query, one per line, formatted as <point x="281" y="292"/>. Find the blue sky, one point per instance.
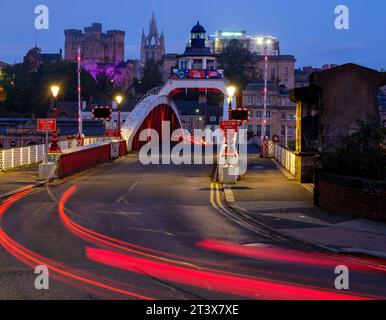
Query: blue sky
<point x="305" y="28"/>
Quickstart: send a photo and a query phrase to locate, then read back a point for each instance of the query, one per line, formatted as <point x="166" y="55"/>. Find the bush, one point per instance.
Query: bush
<point x="362" y="154"/>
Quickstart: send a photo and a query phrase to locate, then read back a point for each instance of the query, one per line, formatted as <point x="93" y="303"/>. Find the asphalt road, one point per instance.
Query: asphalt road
<point x="131" y="231"/>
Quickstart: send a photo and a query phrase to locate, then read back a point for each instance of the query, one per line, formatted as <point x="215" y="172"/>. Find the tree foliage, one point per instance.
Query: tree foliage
<point x="236" y="61"/>
<point x="151" y="77"/>
<point x="363" y="154"/>
<point x="28" y="92"/>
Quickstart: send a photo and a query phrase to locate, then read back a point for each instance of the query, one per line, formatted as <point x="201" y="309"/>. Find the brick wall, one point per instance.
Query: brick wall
<point x="354" y="196"/>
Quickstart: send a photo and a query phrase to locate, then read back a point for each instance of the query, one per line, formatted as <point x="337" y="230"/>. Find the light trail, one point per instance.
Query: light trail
<point x="74" y="277"/>
<point x="245" y="287"/>
<point x="121" y="248"/>
<point x="291" y="256"/>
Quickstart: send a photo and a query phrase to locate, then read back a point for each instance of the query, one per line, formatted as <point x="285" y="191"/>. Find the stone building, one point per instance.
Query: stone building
<point x="281" y="69"/>
<point x="169" y="62"/>
<point x="101" y="53"/>
<point x="34" y="59"/>
<point x="152" y="45"/>
<point x="96" y="46"/>
<point x="328" y="109"/>
<point x="281" y="112"/>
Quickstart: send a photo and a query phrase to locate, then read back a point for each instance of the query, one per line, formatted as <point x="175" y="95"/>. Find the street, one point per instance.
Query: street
<point x="128" y="231"/>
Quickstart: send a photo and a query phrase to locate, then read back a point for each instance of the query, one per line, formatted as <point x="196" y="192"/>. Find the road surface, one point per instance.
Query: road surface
<point x="129" y="231"/>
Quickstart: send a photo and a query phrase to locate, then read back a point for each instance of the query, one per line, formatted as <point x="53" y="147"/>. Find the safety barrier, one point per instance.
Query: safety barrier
<point x="286" y="158"/>
<point x="17" y="157"/>
<point x="122" y="148"/>
<point x="83" y="159"/>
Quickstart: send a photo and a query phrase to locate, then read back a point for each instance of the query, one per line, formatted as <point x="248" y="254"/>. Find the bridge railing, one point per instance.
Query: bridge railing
<point x="286" y="158"/>
<point x="153" y="92"/>
<point x="23" y="156"/>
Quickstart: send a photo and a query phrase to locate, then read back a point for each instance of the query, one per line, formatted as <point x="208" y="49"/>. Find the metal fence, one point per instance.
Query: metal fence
<point x="17" y="157"/>
<point x="286" y="158"/>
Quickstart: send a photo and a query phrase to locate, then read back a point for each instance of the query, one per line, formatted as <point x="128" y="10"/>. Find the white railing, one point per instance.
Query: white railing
<point x="18" y="157"/>
<point x="286" y="158"/>
<point x="153" y="92"/>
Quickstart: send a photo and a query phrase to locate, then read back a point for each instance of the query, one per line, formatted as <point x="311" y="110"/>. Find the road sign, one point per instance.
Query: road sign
<point x="102" y="113"/>
<point x="46" y="125"/>
<point x="229" y="125"/>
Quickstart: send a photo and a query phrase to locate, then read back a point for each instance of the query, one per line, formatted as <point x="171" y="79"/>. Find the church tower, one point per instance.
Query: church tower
<point x="153" y="45"/>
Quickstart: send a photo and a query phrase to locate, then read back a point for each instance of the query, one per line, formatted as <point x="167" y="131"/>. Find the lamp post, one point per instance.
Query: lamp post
<point x="231" y="90"/>
<point x="264" y="120"/>
<point x="54" y="148"/>
<point x="119" y="99"/>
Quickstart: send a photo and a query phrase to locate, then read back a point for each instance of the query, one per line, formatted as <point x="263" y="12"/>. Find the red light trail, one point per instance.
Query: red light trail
<point x="292" y="256"/>
<point x="245" y="287"/>
<point x="74" y="277"/>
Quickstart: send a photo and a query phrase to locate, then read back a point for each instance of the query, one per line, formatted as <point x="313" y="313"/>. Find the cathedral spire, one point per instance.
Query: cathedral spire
<point x="153" y="45"/>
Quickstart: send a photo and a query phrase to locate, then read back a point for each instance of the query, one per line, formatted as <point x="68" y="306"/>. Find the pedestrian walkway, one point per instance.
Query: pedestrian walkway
<point x="13" y="181"/>
<point x="271" y="198"/>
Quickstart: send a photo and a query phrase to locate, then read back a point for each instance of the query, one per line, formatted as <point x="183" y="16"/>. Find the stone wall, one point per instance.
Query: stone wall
<point x="359" y="197"/>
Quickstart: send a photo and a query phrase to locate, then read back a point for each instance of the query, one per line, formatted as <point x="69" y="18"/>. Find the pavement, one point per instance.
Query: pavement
<point x="269" y="195"/>
<point x="13" y="181"/>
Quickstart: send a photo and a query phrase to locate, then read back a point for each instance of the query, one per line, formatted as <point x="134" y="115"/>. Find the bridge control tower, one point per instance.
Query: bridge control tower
<point x="197" y="71"/>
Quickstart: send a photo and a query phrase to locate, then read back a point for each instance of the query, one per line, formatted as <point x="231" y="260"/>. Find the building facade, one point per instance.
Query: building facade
<point x="96" y="46"/>
<point x="152" y="45"/>
<point x="101" y="53"/>
<point x="281" y="112"/>
<point x="35" y="59"/>
<point x="281" y="69"/>
<point x="256" y="44"/>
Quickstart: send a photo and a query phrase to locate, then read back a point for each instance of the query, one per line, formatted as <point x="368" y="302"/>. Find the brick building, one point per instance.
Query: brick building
<point x="281" y="69"/>
<point x="281" y="112"/>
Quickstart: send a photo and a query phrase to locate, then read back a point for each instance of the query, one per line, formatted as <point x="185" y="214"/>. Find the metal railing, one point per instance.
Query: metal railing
<point x="286" y="158"/>
<point x="23" y="156"/>
<point x="153" y="92"/>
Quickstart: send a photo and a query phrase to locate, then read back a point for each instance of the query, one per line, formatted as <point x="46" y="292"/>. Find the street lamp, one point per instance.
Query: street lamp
<point x="119" y="99"/>
<point x="231" y="90"/>
<point x="54" y="148"/>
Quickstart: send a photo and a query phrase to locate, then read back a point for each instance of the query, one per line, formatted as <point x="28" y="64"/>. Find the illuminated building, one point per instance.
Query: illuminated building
<point x="101" y="53"/>
<point x="256" y="44"/>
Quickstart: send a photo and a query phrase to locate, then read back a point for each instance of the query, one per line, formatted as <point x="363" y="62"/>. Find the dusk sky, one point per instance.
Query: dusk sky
<point x="304" y="28"/>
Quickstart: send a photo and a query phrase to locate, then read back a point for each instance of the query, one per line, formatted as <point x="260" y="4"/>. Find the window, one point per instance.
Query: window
<point x="184" y="64"/>
<point x="268" y="114"/>
<point x="258" y="131"/>
<point x="283" y="116"/>
<point x="197" y="64"/>
<point x="259" y="114"/>
<point x="259" y="101"/>
<point x="291" y="117"/>
<point x="290" y="131"/>
<point x="273" y="74"/>
<point x="268" y="100"/>
<point x="250" y="100"/>
<point x="268" y="131"/>
<point x="282" y="132"/>
<point x="250" y="129"/>
<point x="210" y="65"/>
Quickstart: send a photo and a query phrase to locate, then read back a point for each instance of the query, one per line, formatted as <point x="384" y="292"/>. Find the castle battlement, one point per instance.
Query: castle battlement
<point x="96" y="46"/>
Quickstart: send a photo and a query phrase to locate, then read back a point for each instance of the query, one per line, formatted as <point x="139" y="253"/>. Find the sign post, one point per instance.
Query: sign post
<point x="46" y="125"/>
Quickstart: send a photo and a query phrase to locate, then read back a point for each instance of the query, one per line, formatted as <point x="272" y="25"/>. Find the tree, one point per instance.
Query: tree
<point x="151" y="78"/>
<point x="362" y="154"/>
<point x="28" y="92"/>
<point x="237" y="64"/>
